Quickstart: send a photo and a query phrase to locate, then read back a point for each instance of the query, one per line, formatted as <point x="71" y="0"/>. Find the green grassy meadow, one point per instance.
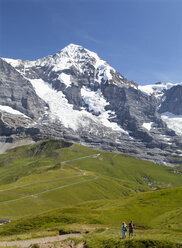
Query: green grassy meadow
<point x="41" y="190"/>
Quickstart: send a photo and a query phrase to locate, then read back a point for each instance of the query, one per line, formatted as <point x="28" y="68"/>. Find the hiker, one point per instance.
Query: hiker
<point x="131" y="228"/>
<point x="124" y="230"/>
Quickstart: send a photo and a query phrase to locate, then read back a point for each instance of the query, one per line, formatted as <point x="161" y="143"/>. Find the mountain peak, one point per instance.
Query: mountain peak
<point x="72" y="47"/>
<point x="75" y="52"/>
<point x="78" y="53"/>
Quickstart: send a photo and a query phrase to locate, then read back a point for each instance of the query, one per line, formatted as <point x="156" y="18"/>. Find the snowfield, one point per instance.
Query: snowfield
<point x="61" y="110"/>
<point x="173" y="121"/>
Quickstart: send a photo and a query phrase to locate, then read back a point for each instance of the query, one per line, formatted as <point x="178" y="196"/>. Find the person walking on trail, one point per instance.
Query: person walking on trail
<point x="124" y="230"/>
<point x="131" y="229"/>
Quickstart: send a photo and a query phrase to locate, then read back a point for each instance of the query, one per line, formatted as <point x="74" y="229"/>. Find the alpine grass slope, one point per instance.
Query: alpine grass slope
<point x="55" y="185"/>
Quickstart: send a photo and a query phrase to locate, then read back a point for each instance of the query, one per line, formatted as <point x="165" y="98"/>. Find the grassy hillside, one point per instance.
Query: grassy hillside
<point x="156" y="217"/>
<point x="101" y="241"/>
<point x="54" y="184"/>
<point x="38" y="178"/>
<point x="143" y="208"/>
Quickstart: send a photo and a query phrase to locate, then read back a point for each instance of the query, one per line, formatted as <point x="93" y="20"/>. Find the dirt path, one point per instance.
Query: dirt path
<point x="83" y="173"/>
<point x="48" y="190"/>
<point x="46" y="240"/>
<point x="56" y="179"/>
<point x="90" y="156"/>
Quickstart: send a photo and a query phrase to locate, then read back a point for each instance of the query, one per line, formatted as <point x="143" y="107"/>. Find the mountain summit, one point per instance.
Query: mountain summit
<point x="77" y="96"/>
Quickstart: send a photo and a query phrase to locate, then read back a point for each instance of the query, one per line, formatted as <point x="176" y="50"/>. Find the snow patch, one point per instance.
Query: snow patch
<point x="174" y="122"/>
<point x="147" y="125"/>
<point x="65" y="78"/>
<point x="11" y="111"/>
<point x="94" y="99"/>
<point x="164" y="137"/>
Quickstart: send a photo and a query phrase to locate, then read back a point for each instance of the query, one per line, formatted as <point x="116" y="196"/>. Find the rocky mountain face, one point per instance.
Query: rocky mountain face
<point x="172" y="101"/>
<point x="77" y="96"/>
<point x="18" y="103"/>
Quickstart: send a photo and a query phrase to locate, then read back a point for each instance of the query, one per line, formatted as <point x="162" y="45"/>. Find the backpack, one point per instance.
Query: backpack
<point x="131" y="225"/>
<point x="124" y="228"/>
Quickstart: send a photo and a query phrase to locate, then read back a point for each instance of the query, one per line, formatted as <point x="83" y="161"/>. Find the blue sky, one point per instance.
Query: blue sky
<point x="142" y="39"/>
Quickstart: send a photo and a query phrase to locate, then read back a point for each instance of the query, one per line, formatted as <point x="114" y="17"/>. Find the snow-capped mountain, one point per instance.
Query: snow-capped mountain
<point x="77" y="96"/>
